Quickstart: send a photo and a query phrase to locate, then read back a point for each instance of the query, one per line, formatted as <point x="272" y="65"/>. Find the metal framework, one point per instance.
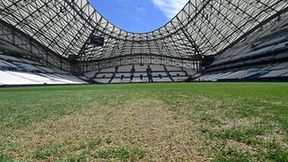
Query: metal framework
<point x="61" y="28"/>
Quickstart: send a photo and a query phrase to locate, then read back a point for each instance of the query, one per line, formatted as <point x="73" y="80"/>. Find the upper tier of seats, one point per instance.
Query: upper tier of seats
<point x="261" y="56"/>
<point x="272" y="41"/>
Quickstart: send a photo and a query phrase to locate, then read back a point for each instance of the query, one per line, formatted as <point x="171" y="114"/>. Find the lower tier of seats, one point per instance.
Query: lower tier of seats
<point x="269" y="72"/>
<point x="140" y="74"/>
<point x="10" y="78"/>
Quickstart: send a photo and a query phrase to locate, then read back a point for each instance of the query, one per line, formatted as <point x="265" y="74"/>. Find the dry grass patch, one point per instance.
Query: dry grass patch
<point x="144" y="124"/>
<point x="157" y="122"/>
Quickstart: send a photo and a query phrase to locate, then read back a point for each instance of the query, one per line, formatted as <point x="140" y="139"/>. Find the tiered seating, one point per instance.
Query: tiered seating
<point x="172" y="68"/>
<point x="285" y="75"/>
<point x="178" y="75"/>
<point x="238" y="75"/>
<point x="123" y="74"/>
<point x="27" y="67"/>
<point x="140" y="78"/>
<point x="159" y="74"/>
<point x="209" y="77"/>
<point x="140" y="68"/>
<point x="190" y="72"/>
<point x="60" y="79"/>
<point x="47" y="70"/>
<point x="140" y="74"/>
<point x="7" y="65"/>
<point x="124" y="69"/>
<point x="8" y="78"/>
<point x="15" y="71"/>
<point x="84" y="78"/>
<point x="91" y="74"/>
<point x="160" y="77"/>
<point x="263" y="45"/>
<point x="271" y="42"/>
<point x="108" y="70"/>
<point x="278" y="70"/>
<point x="121" y="80"/>
<point x="9" y="58"/>
<point x="102" y="80"/>
<point x="26" y="78"/>
<point x="71" y="79"/>
<point x="275" y="73"/>
<point x="253" y="58"/>
<point x="279" y="66"/>
<point x="157" y="68"/>
<point x="58" y="71"/>
<point x="103" y="77"/>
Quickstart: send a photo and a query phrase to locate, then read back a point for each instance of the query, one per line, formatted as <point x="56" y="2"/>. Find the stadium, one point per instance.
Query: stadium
<point x="210" y="85"/>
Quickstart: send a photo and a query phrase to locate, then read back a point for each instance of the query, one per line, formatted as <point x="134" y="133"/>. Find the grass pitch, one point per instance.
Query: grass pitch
<point x="145" y="122"/>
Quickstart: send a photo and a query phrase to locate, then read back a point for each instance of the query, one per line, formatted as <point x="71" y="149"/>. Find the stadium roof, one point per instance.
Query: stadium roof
<point x="202" y="27"/>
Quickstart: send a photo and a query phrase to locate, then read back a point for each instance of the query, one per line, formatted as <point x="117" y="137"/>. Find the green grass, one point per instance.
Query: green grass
<point x="145" y="122"/>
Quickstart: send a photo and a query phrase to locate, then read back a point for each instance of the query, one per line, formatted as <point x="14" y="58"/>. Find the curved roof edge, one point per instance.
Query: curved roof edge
<point x="202" y="27"/>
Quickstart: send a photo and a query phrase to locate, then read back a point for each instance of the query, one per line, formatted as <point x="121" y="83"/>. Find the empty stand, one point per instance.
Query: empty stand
<point x="139" y="74"/>
<point x="262" y="56"/>
<point x="16" y="71"/>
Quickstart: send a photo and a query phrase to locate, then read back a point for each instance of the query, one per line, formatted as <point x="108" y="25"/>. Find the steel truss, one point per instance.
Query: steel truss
<point x="141" y="59"/>
<point x="14" y="41"/>
<point x="202" y="27"/>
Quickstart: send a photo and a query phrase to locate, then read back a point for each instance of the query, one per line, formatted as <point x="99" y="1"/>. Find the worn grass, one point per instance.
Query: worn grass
<point x="145" y="122"/>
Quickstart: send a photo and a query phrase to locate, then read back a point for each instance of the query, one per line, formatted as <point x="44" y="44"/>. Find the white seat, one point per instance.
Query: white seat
<point x="157" y="67"/>
<point x="171" y="68"/>
<point x="104" y="75"/>
<point x="100" y="80"/>
<point x="139" y="80"/>
<point x="179" y="79"/>
<point x="163" y="79"/>
<point x="124" y="68"/>
<point x="27" y="67"/>
<point x="275" y="73"/>
<point x="4" y="63"/>
<point x="123" y="74"/>
<point x="10" y="78"/>
<point x="139" y="68"/>
<point x="156" y="74"/>
<point x="108" y="70"/>
<point x="177" y="73"/>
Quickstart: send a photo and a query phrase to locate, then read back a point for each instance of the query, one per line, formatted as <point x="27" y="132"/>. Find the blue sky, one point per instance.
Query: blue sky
<point x="138" y="15"/>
